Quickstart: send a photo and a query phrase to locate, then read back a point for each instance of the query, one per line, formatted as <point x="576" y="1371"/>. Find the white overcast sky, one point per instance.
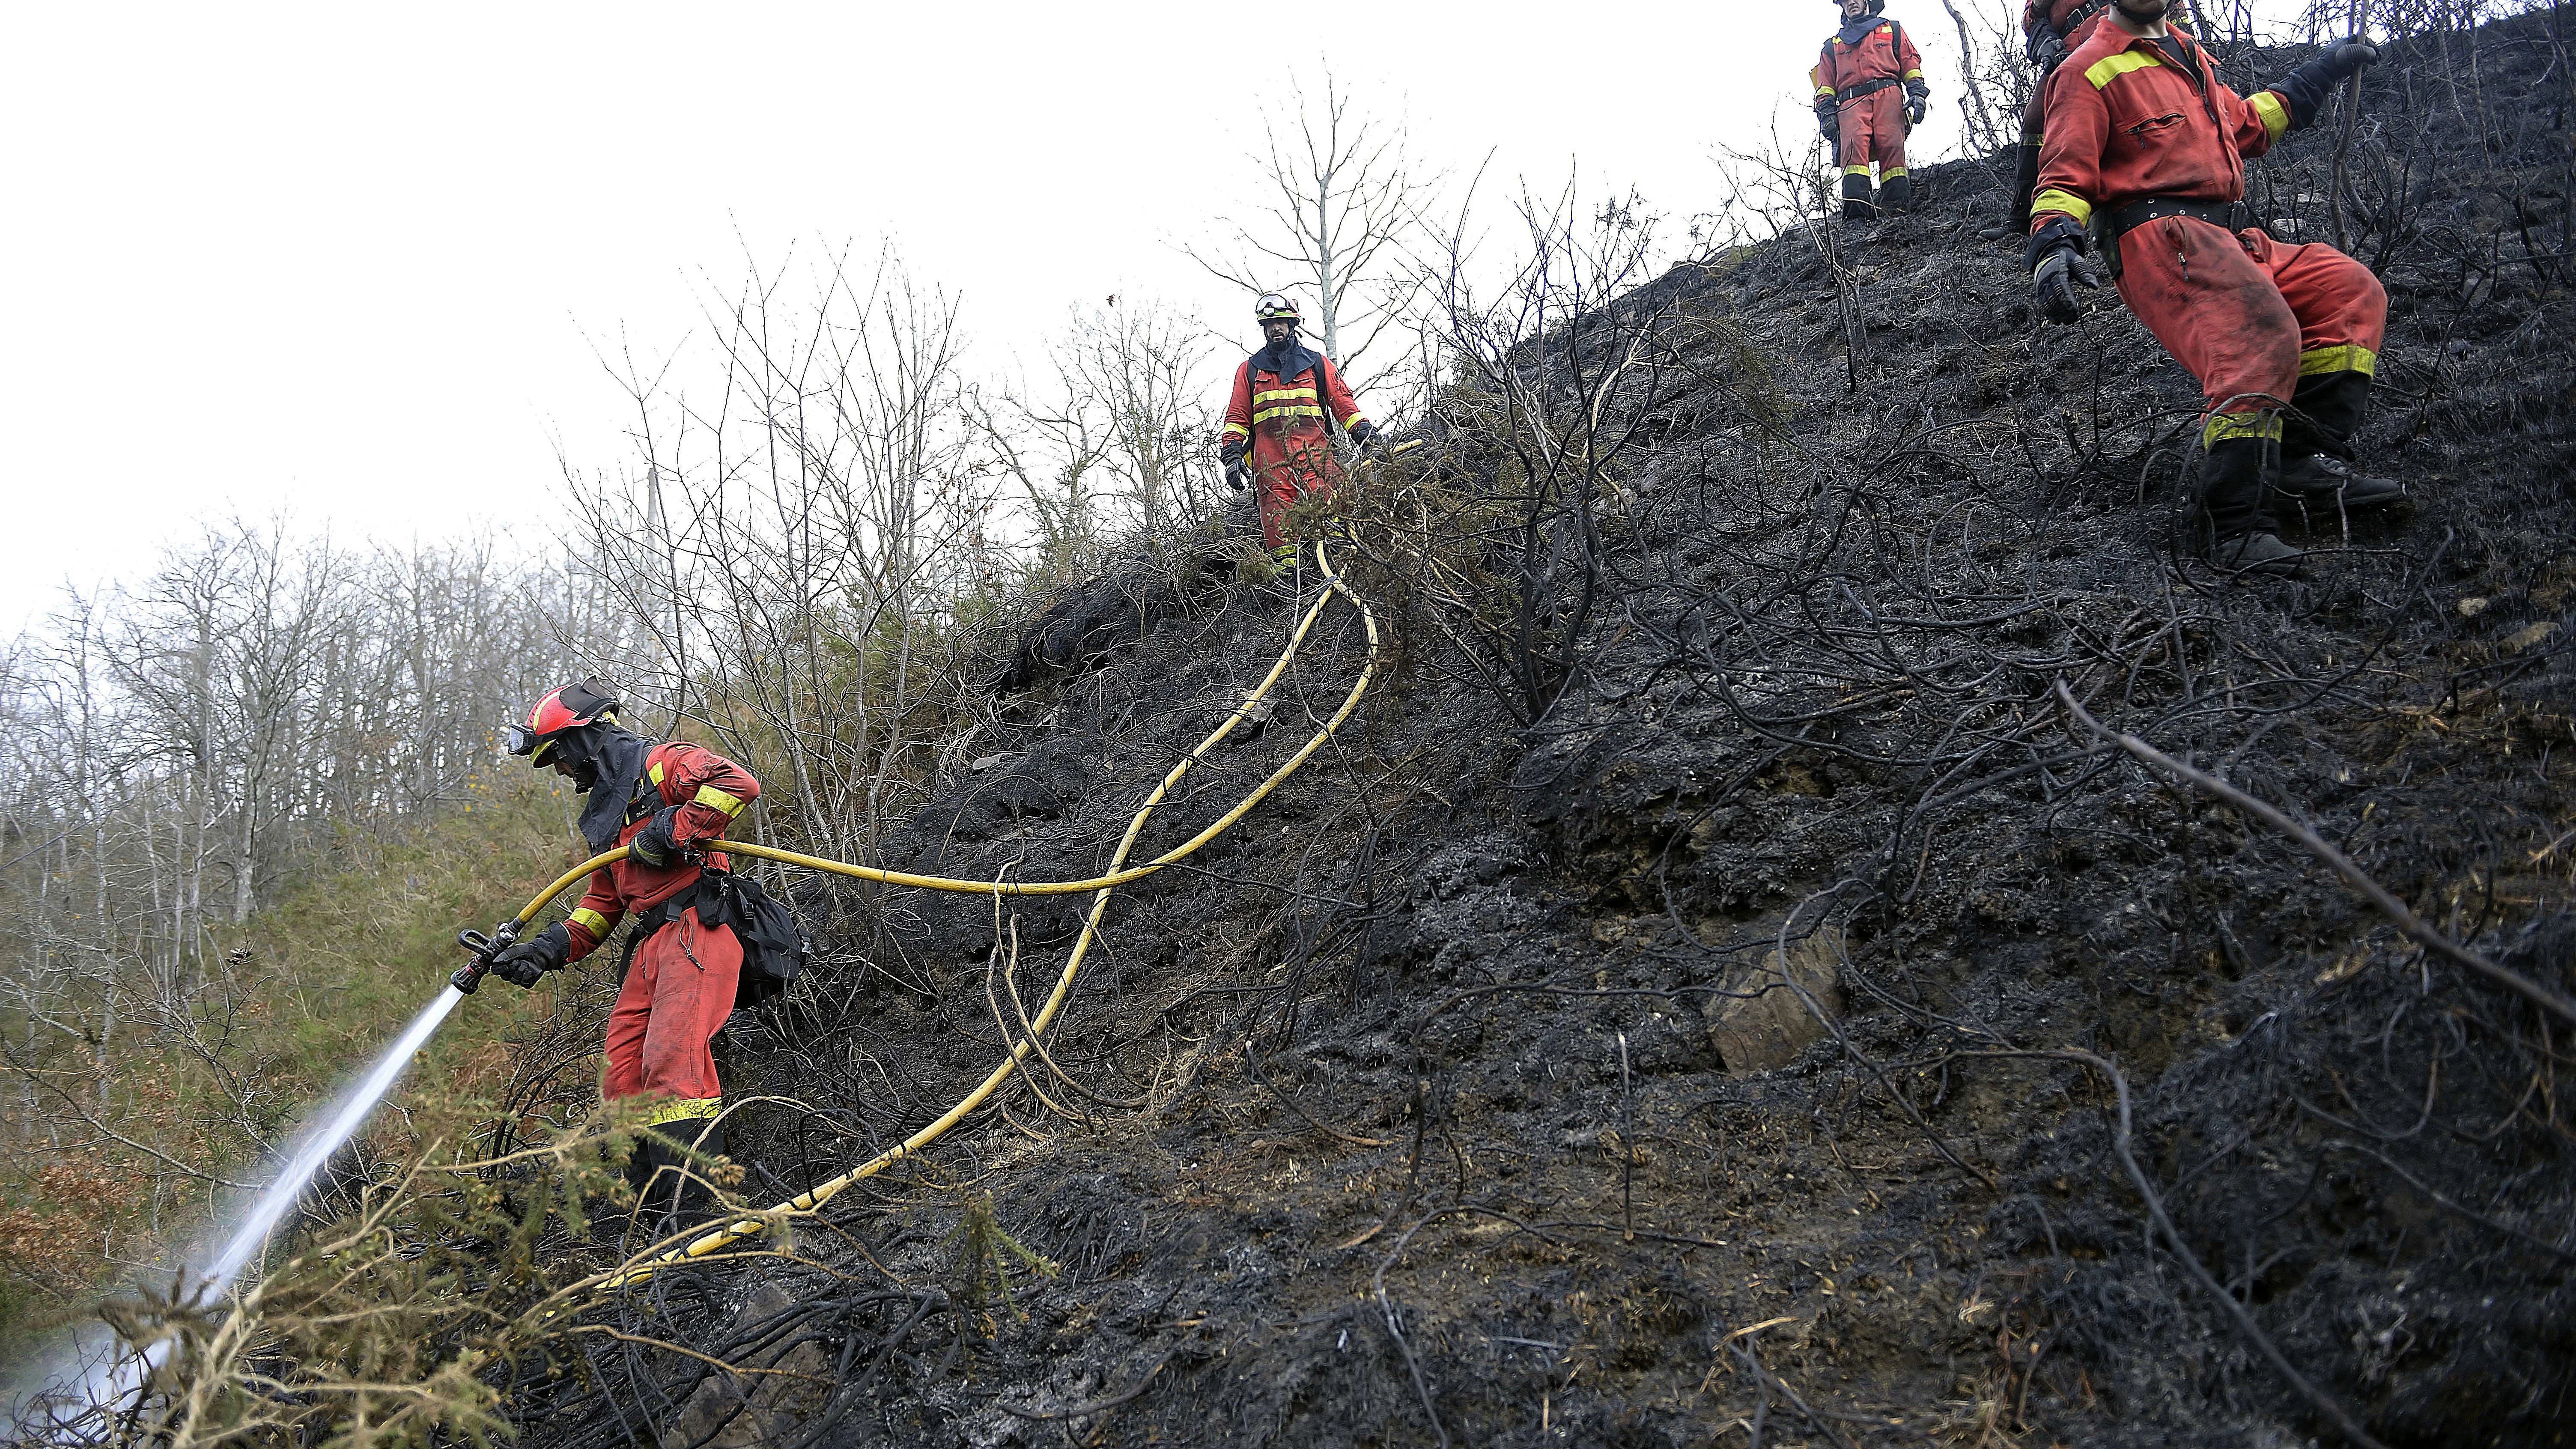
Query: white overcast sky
<point x="351" y="261"/>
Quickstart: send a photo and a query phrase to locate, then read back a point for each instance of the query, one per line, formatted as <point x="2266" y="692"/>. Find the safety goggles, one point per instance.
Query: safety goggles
<point x="521" y="740"/>
<point x="1274" y="308"/>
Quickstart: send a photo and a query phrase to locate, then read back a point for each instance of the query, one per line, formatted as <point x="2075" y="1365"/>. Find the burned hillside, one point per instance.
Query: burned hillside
<point x="1730" y="976"/>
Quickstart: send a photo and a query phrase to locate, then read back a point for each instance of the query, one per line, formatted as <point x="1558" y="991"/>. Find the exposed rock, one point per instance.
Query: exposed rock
<point x="1761" y="1024"/>
<point x="743" y="1411"/>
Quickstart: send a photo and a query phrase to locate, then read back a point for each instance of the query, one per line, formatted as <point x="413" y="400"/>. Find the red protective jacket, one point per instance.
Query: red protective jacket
<point x="2126" y="122"/>
<point x="1885" y="53"/>
<point x="710" y="791"/>
<point x="1272" y="411"/>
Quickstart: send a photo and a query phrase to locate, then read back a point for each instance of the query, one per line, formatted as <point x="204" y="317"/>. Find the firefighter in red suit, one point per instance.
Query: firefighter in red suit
<point x="1277" y="432"/>
<point x="1861" y="109"/>
<point x="669" y="805"/>
<point x="2147" y="144"/>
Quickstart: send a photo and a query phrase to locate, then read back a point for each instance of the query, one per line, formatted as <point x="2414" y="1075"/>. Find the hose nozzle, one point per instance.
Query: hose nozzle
<point x="470" y="975"/>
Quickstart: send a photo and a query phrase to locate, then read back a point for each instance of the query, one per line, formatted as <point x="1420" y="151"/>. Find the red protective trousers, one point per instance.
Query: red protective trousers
<point x="2250" y="316"/>
<point x="677" y="992"/>
<point x="1299" y="463"/>
<point x="1873" y="130"/>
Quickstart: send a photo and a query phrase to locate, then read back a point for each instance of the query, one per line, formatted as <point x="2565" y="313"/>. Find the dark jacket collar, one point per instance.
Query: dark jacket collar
<point x="621" y="767"/>
<point x="1854" y="31"/>
<point x="1286" y="363"/>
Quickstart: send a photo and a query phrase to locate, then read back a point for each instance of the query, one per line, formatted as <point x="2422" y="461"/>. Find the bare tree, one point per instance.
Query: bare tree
<point x="1561" y="368"/>
<point x="798" y="530"/>
<point x="1115" y="444"/>
<point x="1342" y="198"/>
<point x="1994" y="83"/>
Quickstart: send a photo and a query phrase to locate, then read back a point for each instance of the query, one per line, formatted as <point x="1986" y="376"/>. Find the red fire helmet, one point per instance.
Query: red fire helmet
<point x="570" y="707"/>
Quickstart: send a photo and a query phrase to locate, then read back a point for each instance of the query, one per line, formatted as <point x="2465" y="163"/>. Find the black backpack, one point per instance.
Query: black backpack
<point x="774" y="947"/>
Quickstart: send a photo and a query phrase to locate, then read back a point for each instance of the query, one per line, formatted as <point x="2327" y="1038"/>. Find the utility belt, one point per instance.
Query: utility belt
<point x="2220" y="214"/>
<point x="709" y="904"/>
<point x="1849" y="94"/>
<point x="774" y="947"/>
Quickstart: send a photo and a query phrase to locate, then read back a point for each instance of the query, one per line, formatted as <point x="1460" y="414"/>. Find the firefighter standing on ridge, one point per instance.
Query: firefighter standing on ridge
<point x="1276" y="435"/>
<point x="1858" y="109"/>
<point x="2146" y="142"/>
<point x="667" y="804"/>
<point x="2052" y="30"/>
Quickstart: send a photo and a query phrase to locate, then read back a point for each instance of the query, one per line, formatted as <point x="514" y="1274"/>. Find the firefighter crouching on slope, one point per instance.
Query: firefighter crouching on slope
<point x="2145" y="142"/>
<point x="1276" y="435"/>
<point x="2051" y="30"/>
<point x="1858" y="109"/>
<point x="667" y="804"/>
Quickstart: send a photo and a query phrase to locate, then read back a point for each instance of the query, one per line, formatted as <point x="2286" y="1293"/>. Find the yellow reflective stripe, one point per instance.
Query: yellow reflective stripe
<point x="656" y="773"/>
<point x="1274" y="394"/>
<point x="2317" y="361"/>
<point x="1911" y="75"/>
<point x="1891" y="173"/>
<point x="2101" y="72"/>
<point x="682" y="1109"/>
<point x="2226" y="427"/>
<point x="1234" y="428"/>
<point x="1824" y="90"/>
<point x="710" y="795"/>
<point x="2275" y="116"/>
<point x="1861" y="170"/>
<point x="1289" y="412"/>
<point x="1353" y="421"/>
<point x="2066" y="201"/>
<point x="591" y="921"/>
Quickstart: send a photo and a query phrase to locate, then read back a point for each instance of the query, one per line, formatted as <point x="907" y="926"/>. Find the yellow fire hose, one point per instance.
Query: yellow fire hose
<point x="1119" y="874"/>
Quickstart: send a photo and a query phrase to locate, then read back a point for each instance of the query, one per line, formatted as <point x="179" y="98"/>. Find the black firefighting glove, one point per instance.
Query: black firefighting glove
<point x="2045" y="48"/>
<point x="2306" y="88"/>
<point x="653" y="845"/>
<point x="1364" y="435"/>
<point x="1231" y="454"/>
<point x="1829" y="119"/>
<point x="1916" y="104"/>
<point x="2053" y="272"/>
<point x="524" y="963"/>
<point x="2348" y="58"/>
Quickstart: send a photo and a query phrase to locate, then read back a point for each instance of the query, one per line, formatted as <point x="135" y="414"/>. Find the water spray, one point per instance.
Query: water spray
<point x="110" y="1387"/>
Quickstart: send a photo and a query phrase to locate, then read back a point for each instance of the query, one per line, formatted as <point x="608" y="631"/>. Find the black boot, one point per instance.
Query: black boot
<point x="1856" y="203"/>
<point x="1896" y="193"/>
<point x="2258" y="553"/>
<point x="696" y="1193"/>
<point x="668" y="1173"/>
<point x="2232" y="497"/>
<point x="2316" y="442"/>
<point x="2325" y="414"/>
<point x="2321" y="484"/>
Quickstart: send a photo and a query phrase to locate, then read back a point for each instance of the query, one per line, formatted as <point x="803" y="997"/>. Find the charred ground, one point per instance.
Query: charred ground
<point x="1658" y="1028"/>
